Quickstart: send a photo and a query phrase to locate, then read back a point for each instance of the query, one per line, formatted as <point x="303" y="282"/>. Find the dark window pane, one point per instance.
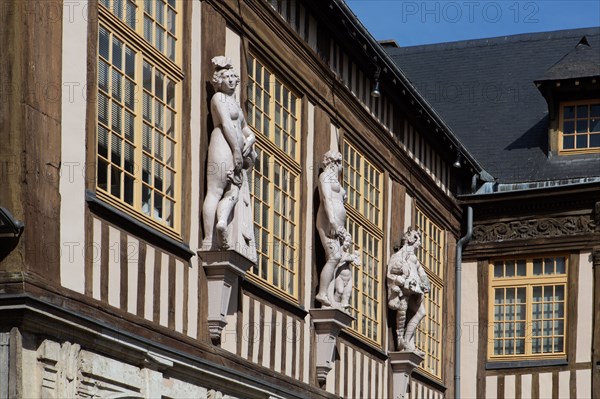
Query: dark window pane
<point x="569" y="112"/>
<point x="582" y="111"/>
<point x="595" y="110"/>
<point x="521" y="268"/>
<point x="147" y="76"/>
<point x="568" y="142"/>
<point x="128" y="189"/>
<point x="103" y="37"/>
<point x="103" y="141"/>
<point x="158" y="206"/>
<point x="537" y="267"/>
<point x="595" y="140"/>
<point x="115" y="182"/>
<point x="130" y="63"/>
<point x="158" y="85"/>
<point x="569" y="127"/>
<point x="582" y="141"/>
<point x="102" y="174"/>
<point x="560" y="265"/>
<point x="582" y="126"/>
<point x="146" y="200"/>
<point x="117" y="56"/>
<point x="510" y="268"/>
<point x="595" y="125"/>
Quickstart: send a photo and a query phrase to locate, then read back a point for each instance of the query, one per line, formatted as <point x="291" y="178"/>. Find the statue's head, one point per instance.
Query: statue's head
<point x="411" y="237"/>
<point x="332" y="159"/>
<point x="223" y="70"/>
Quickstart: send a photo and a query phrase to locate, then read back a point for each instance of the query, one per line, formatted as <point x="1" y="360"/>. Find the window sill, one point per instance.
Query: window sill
<point x="136" y="227"/>
<point x="511" y="364"/>
<point x="253" y="287"/>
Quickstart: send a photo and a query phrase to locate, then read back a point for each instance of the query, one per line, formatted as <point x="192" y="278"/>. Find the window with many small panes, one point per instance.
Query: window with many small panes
<point x="527" y="314"/>
<point x="579" y="127"/>
<point x="138" y="139"/>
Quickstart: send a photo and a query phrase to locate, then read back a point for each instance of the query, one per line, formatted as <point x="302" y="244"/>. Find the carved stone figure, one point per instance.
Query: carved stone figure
<point x="407" y="285"/>
<point x="335" y="283"/>
<point x="231" y="156"/>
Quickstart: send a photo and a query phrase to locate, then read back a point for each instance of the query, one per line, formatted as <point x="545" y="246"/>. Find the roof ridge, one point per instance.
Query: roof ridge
<point x="506" y="39"/>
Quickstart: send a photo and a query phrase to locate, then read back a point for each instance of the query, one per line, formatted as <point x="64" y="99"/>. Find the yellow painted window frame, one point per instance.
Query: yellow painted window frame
<point x="288" y="262"/>
<point x="432" y="256"/>
<point x="586" y="150"/>
<point x="528" y="281"/>
<point x="144" y="51"/>
<point x="361" y="214"/>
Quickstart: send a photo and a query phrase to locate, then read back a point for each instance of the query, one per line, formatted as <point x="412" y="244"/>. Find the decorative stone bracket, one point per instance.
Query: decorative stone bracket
<point x="223" y="269"/>
<point x="403" y="363"/>
<point x="328" y="323"/>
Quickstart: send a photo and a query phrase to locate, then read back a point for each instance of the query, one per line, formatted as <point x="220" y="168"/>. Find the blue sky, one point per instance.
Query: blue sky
<point x="423" y="22"/>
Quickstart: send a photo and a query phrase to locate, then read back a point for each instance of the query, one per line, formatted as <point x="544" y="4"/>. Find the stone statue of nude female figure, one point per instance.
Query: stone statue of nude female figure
<point x="231" y="156"/>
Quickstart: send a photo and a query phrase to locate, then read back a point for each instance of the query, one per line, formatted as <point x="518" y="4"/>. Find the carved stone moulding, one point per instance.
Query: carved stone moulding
<point x="402" y="364"/>
<point x="534" y="228"/>
<point x="328" y="323"/>
<point x="223" y="271"/>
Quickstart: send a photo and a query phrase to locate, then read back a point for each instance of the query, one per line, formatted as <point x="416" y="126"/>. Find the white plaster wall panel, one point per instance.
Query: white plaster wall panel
<point x="564" y="384"/>
<point x="133" y="253"/>
<point x="196" y="81"/>
<point x="255" y="326"/>
<point x="469" y="340"/>
<point x="510" y="387"/>
<point x="289" y="345"/>
<point x="164" y="290"/>
<point x="491" y="387"/>
<point x="585" y="313"/>
<point x="114" y="266"/>
<point x="308" y="246"/>
<point x="96" y="258"/>
<point x="192" y="305"/>
<point x="278" y="338"/>
<point x="245" y="322"/>
<point x="584" y="383"/>
<point x="149" y="284"/>
<point x="179" y="309"/>
<point x="73" y="127"/>
<point x="545" y="385"/>
<point x="526" y="381"/>
<point x="267" y="344"/>
<point x="341" y="351"/>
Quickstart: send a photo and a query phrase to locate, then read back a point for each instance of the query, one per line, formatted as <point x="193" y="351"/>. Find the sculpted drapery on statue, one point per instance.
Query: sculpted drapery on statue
<point x="226" y="212"/>
<point x="335" y="283"/>
<point x="407" y="285"/>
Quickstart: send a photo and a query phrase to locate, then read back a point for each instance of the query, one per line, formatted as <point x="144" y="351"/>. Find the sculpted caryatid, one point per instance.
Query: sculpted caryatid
<point x="407" y="285"/>
<point x="335" y="283"/>
<point x="231" y="156"/>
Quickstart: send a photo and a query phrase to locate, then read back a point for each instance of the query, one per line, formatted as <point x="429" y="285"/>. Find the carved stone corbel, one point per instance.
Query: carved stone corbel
<point x="223" y="270"/>
<point x="328" y="323"/>
<point x="403" y="363"/>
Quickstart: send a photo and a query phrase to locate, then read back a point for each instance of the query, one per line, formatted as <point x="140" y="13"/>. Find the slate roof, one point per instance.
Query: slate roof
<point x="484" y="90"/>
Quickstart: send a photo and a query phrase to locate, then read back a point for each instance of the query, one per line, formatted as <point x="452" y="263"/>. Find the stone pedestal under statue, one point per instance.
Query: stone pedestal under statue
<point x="328" y="323"/>
<point x="403" y="363"/>
<point x="223" y="270"/>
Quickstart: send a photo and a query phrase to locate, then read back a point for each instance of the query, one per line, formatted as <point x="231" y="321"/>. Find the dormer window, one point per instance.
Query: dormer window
<point x="579" y="127"/>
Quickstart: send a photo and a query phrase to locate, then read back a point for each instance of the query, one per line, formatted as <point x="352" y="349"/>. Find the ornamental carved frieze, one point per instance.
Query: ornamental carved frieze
<point x="536" y="228"/>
